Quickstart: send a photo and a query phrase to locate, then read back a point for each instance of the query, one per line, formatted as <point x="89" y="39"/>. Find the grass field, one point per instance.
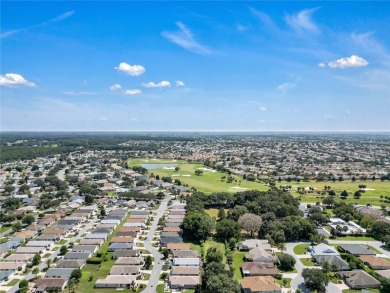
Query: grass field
<point x="211" y="182"/>
<point x="355" y="238"/>
<point x="238" y="259"/>
<point x="214" y="213"/>
<point x="220" y="247"/>
<point x="13" y="282"/>
<point x="307" y="262"/>
<point x="301" y="248"/>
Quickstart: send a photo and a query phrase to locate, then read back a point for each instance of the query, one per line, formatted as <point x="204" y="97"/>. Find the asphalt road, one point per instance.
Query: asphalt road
<point x="158" y="263"/>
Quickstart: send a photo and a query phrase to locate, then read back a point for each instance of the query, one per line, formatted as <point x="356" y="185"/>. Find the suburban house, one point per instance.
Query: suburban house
<point x="333" y="260"/>
<point x="91" y="242"/>
<point x="38" y="243"/>
<point x="85" y="248"/>
<point x="77" y="255"/>
<point x="264" y="284"/>
<point x="130" y="261"/>
<point x="185" y="253"/>
<point x="260" y="255"/>
<point x="72" y="263"/>
<point x="115" y="281"/>
<point x="186" y="261"/>
<point x="22" y="258"/>
<point x="259" y="269"/>
<point x="29" y="250"/>
<point x="250" y="244"/>
<point x="322" y="249"/>
<point x="170" y="237"/>
<point x="183" y="282"/>
<point x="357" y="249"/>
<point x="125" y="253"/>
<point x="178" y="246"/>
<point x="62" y="273"/>
<point x="125" y="270"/>
<point x="185" y="271"/>
<point x="120" y="246"/>
<point x="359" y="279"/>
<point x="42" y="285"/>
<point x="375" y="263"/>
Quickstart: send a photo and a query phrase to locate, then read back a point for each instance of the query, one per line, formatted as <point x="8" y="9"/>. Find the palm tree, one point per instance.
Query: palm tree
<point x="281" y="247"/>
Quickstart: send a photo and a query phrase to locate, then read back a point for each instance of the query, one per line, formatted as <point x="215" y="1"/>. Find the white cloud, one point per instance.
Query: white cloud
<point x="115" y="87"/>
<point x="133" y="70"/>
<point x="322" y="64"/>
<point x="55" y="19"/>
<point x="150" y="84"/>
<point x="347" y="62"/>
<point x="133" y="119"/>
<point x="263" y="109"/>
<point x="132" y="92"/>
<point x="328" y="117"/>
<point x="285" y="87"/>
<point x="348" y="112"/>
<point x="14" y="80"/>
<point x="179" y="83"/>
<point x="103" y="118"/>
<point x="71" y="93"/>
<point x="302" y="21"/>
<point x="185" y="39"/>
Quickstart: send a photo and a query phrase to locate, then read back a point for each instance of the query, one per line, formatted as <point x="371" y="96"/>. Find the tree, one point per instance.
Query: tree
<point x="213" y="255"/>
<point x="28" y="219"/>
<point x="326" y="267"/>
<point x="89" y="199"/>
<point x="35" y="271"/>
<point x="222" y="283"/>
<point x="250" y="222"/>
<point x="286" y="261"/>
<point x="9" y="189"/>
<point x="357" y="194"/>
<point x="318" y="238"/>
<point x="165" y="253"/>
<point x="23" y="284"/>
<point x="328" y="201"/>
<point x="76" y="274"/>
<point x="63" y="250"/>
<point x="380" y="230"/>
<point x="197" y="225"/>
<point x="227" y="229"/>
<point x="315" y="279"/>
<point x="198" y="172"/>
<point x="148" y="262"/>
<point x="36" y="260"/>
<point x="221" y="214"/>
<point x="17" y="226"/>
<point x="236" y="212"/>
<point x="73" y="285"/>
<point x="344" y="194"/>
<point x="103" y="212"/>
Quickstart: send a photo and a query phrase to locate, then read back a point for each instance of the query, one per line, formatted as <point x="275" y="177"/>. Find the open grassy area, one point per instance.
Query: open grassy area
<point x="307" y="262"/>
<point x="355" y="238"/>
<point x="284" y="282"/>
<point x="207" y="182"/>
<point x="301" y="248"/>
<point x="220" y="247"/>
<point x="368" y="197"/>
<point x="214" y="213"/>
<point x="238" y="259"/>
<point x="4" y="228"/>
<point x="62" y="241"/>
<point x="13" y="282"/>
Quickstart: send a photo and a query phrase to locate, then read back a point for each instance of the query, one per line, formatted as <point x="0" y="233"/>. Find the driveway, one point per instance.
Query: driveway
<point x="157" y="267"/>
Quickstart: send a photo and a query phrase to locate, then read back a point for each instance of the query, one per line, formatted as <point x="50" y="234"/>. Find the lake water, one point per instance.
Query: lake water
<point x="158" y="166"/>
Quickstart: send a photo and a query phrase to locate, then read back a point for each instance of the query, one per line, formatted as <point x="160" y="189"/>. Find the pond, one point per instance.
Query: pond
<point x="158" y="166"/>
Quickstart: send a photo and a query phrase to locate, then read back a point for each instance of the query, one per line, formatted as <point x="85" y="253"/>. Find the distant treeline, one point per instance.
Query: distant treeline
<point x="26" y="146"/>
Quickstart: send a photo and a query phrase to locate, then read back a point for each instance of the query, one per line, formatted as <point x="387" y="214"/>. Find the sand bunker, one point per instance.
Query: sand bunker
<point x="169" y="168"/>
<point x="239" y="188"/>
<point x="368" y="189"/>
<point x="186" y="175"/>
<point x="175" y="175"/>
<point x="206" y="169"/>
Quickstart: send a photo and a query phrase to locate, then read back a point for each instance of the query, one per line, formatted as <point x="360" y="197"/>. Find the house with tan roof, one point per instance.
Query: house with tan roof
<point x="126" y="239"/>
<point x="185" y="271"/>
<point x="260" y="285"/>
<point x="21" y="258"/>
<point x="260" y="255"/>
<point x="259" y="269"/>
<point x="125" y="270"/>
<point x="42" y="285"/>
<point x="115" y="281"/>
<point x="178" y="246"/>
<point x="374" y="262"/>
<point x="129" y="261"/>
<point x="183" y="282"/>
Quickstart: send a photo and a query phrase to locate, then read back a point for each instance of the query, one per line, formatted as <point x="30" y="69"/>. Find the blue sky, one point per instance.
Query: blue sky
<point x="195" y="66"/>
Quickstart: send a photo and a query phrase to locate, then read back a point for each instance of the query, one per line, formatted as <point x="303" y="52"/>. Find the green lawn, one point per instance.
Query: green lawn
<point x="197" y="247"/>
<point x="214" y="213"/>
<point x="220" y="247"/>
<point x="368" y="197"/>
<point x="286" y="281"/>
<point x="160" y="288"/>
<point x="334" y="278"/>
<point x="301" y="248"/>
<point x="13" y="282"/>
<point x="4" y="228"/>
<point x="238" y="259"/>
<point x="207" y="182"/>
<point x="355" y="238"/>
<point x="308" y="262"/>
<point x="62" y="241"/>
